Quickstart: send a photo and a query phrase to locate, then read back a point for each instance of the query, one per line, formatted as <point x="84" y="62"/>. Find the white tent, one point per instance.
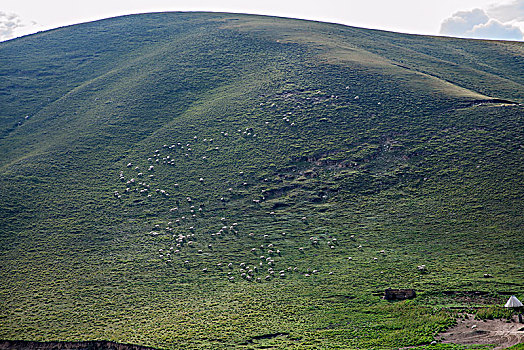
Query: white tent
<point x="513" y="302"/>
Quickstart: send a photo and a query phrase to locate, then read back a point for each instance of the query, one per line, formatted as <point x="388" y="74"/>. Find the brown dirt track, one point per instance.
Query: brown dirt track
<point x="501" y="333"/>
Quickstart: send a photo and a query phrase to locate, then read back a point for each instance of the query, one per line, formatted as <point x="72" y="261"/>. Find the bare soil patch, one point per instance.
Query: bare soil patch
<point x="501" y="333"/>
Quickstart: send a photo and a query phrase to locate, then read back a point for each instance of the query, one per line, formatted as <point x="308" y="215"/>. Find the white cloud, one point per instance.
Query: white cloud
<point x="463" y="21"/>
<point x="477" y="24"/>
<point x="513" y="11"/>
<point x="495" y="30"/>
<point x="9" y="23"/>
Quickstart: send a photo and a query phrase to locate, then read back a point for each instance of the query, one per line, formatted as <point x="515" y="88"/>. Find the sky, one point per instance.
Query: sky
<point x="483" y="19"/>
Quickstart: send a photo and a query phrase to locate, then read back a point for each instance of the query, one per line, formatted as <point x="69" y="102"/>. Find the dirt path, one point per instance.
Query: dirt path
<point x="499" y="332"/>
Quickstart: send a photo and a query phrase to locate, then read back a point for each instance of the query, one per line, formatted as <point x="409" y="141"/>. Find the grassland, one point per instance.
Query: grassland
<point x="300" y="142"/>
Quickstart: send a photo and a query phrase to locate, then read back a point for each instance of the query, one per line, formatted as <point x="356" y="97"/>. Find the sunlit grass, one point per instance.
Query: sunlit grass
<point x="279" y="158"/>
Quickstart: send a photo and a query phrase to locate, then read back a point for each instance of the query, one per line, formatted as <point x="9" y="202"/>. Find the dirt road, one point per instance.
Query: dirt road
<point x="499" y="332"/>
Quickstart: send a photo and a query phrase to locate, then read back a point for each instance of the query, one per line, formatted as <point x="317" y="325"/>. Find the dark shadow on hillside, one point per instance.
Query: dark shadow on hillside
<point x="59" y="345"/>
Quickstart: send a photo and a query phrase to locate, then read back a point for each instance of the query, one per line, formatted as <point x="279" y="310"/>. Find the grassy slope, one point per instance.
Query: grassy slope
<point x="415" y="167"/>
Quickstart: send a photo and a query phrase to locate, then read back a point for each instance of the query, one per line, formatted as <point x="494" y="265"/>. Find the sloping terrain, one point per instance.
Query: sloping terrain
<point x="204" y="180"/>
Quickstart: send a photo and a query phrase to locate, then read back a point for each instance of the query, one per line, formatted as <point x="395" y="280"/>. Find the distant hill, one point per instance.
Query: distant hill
<point x="214" y="180"/>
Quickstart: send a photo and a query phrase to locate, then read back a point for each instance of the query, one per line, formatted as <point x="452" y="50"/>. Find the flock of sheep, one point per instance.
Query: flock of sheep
<point x="191" y="247"/>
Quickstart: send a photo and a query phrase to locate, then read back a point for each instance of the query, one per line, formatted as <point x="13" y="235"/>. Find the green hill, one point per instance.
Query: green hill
<point x="207" y="180"/>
